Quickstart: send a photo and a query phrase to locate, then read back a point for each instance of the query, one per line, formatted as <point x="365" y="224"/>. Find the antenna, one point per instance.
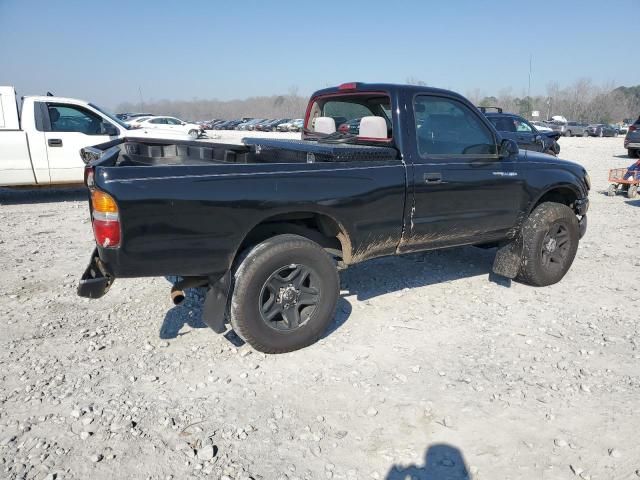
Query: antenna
<point x="141" y="99"/>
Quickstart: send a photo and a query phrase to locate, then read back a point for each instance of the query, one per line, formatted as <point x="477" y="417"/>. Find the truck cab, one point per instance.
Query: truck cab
<point x="40" y="144"/>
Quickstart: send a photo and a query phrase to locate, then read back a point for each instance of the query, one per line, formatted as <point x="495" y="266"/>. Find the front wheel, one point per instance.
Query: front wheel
<point x="631" y="153"/>
<point x="567" y="133"/>
<point x="549" y="243"/>
<point x="194" y="134"/>
<point x="611" y="191"/>
<point x="585" y="134"/>
<point x="632" y="192"/>
<point x="285" y="294"/>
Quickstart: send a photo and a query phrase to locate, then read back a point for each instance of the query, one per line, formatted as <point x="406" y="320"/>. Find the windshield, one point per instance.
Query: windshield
<point x="111" y="116"/>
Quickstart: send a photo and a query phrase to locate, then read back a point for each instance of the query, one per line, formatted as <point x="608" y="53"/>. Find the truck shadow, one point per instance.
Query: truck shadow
<point x="17" y="196"/>
<point x="441" y="462"/>
<point x="366" y="280"/>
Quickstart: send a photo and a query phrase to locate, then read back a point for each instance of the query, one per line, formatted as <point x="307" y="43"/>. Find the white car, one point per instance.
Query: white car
<point x="541" y="127"/>
<point x="135" y="121"/>
<point x="170" y="125"/>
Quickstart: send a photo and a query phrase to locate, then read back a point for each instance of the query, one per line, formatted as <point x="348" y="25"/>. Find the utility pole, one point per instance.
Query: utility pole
<point x="529" y="91"/>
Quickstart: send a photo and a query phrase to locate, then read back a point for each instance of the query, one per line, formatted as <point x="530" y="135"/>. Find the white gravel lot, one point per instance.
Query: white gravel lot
<point x="430" y="370"/>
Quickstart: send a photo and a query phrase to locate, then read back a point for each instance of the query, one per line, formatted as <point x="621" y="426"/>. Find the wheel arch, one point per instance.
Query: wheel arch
<point x="319" y="227"/>
<point x="567" y="194"/>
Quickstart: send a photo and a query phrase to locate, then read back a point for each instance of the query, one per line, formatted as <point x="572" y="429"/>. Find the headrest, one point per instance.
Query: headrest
<point x="373" y="127"/>
<point x="325" y="125"/>
<point x="54" y="114"/>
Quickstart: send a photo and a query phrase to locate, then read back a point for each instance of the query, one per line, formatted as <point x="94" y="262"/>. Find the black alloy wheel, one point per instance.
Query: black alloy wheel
<point x="289" y="297"/>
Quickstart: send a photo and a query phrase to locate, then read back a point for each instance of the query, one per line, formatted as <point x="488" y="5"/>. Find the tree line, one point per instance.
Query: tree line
<point x="582" y="101"/>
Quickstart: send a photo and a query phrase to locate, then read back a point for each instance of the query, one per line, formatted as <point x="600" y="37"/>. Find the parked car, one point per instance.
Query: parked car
<point x="265" y="235"/>
<point x="559" y="126"/>
<point x="352" y="126"/>
<point x="540" y="126"/>
<point x="284" y="127"/>
<point x="172" y="125"/>
<point x="522" y="132"/>
<point x="632" y="139"/>
<point x="249" y="125"/>
<point x="576" y="129"/>
<point x="135" y="121"/>
<point x="296" y="125"/>
<point x="130" y="116"/>
<point x="602" y="130"/>
<point x="277" y="123"/>
<point x="265" y="125"/>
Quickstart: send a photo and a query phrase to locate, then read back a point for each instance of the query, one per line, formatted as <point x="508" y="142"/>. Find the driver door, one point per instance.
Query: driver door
<point x="461" y="191"/>
<point x="72" y="128"/>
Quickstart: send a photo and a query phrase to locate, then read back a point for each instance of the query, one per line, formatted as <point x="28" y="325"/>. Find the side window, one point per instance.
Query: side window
<point x="67" y="118"/>
<point x="173" y="121"/>
<point x="157" y="121"/>
<point x="522" y="126"/>
<point x="447" y="127"/>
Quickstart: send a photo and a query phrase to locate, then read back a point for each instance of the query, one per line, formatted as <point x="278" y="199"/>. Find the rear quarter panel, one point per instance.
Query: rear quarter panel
<point x="191" y="220"/>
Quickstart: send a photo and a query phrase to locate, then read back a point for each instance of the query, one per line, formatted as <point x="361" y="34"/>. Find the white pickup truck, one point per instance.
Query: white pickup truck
<point x="41" y="145"/>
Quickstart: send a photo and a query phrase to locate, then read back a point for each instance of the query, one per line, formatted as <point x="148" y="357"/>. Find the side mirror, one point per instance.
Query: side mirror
<point x="183" y="123"/>
<point x="109" y="129"/>
<point x="508" y="147"/>
<point x="538" y="139"/>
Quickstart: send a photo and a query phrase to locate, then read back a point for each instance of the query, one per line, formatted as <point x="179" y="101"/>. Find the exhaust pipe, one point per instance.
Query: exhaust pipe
<point x="177" y="291"/>
<point x="177" y="295"/>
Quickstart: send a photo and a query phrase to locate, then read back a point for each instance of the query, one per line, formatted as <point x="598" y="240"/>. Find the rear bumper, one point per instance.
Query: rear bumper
<point x="96" y="279"/>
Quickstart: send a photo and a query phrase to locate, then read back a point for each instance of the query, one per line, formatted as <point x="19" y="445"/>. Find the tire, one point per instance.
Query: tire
<point x="632" y="153"/>
<point x="551" y="227"/>
<point x="567" y="133"/>
<point x="632" y="192"/>
<point x="611" y="191"/>
<point x="585" y="134"/>
<point x="194" y="134"/>
<point x="281" y="269"/>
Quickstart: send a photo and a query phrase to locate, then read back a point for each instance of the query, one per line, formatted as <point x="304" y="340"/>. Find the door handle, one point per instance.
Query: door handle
<point x="432" y="178"/>
<point x="54" y="142"/>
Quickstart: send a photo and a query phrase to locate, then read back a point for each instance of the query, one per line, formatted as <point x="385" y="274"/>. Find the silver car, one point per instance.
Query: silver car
<point x="576" y="129"/>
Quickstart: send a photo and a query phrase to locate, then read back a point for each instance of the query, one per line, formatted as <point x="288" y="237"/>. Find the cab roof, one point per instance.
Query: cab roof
<point x="390" y="88"/>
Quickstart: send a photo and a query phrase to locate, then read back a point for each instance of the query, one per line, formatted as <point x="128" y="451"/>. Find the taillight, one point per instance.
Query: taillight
<point x="632" y="128"/>
<point x="348" y="86"/>
<point x="106" y="220"/>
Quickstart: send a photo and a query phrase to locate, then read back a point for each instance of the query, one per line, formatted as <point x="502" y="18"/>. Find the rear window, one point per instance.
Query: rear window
<point x="347" y="110"/>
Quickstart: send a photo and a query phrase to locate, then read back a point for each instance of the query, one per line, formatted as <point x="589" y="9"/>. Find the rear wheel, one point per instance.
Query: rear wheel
<point x="549" y="243"/>
<point x="611" y="191"/>
<point x="633" y="191"/>
<point x="632" y="153"/>
<point x="585" y="134"/>
<point x="567" y="133"/>
<point x="285" y="294"/>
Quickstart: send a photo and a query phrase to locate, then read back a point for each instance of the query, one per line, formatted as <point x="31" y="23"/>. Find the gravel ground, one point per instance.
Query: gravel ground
<point x="430" y="370"/>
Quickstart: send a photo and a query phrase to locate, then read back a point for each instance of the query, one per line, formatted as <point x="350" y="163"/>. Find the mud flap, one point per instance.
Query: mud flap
<point x="215" y="304"/>
<point x="508" y="259"/>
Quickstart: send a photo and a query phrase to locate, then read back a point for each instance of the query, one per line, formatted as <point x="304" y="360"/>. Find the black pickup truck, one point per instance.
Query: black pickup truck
<point x="266" y="225"/>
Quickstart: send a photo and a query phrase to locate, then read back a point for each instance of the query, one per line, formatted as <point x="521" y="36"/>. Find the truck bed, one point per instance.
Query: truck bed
<point x="141" y="152"/>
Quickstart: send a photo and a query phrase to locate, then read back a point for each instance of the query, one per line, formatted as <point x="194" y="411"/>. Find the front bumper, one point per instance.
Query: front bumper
<point x="96" y="279"/>
<point x="581" y="207"/>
